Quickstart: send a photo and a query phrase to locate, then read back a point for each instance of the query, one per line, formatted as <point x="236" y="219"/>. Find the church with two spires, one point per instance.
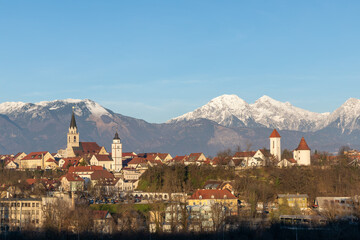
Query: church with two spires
<point x="91" y="150"/>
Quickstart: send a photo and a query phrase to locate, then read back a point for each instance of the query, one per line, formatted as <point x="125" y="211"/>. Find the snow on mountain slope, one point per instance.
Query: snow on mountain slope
<point x="347" y="116"/>
<point x="275" y="114"/>
<point x="42" y="109"/>
<point x="265" y="112"/>
<point x="223" y="110"/>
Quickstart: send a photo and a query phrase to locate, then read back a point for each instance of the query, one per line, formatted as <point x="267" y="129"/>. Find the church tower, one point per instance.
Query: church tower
<point x="72" y="137"/>
<point x="116" y="152"/>
<point x="275" y="145"/>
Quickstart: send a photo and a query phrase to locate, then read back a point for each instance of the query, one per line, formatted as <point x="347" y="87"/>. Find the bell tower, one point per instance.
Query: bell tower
<point x="116" y="152"/>
<point x="73" y="135"/>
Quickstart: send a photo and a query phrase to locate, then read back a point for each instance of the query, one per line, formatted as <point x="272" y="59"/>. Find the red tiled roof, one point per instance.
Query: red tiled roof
<point x="101" y="174"/>
<point x="129" y="154"/>
<point x="162" y="156"/>
<point x="156" y="162"/>
<point x="87" y="148"/>
<point x="31" y="181"/>
<point x="34" y="155"/>
<point x="179" y="158"/>
<point x="18" y="154"/>
<point x="244" y="154"/>
<point x="72" y="177"/>
<point x="212" y="194"/>
<point x="302" y="145"/>
<point x="100" y="214"/>
<point x="51" y="160"/>
<point x="194" y="156"/>
<point x="85" y="168"/>
<point x="275" y="134"/>
<point x="72" y="161"/>
<point x="265" y="152"/>
<point x="137" y="160"/>
<point x="292" y="160"/>
<point x="103" y="157"/>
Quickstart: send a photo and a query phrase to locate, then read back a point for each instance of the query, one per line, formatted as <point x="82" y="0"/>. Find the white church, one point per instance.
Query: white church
<point x="91" y="150"/>
<point x="301" y="155"/>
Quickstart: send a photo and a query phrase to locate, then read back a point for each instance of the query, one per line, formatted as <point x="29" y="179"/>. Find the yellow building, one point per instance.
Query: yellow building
<point x="38" y="160"/>
<point x="209" y="197"/>
<point x="293" y="200"/>
<point x="21" y="213"/>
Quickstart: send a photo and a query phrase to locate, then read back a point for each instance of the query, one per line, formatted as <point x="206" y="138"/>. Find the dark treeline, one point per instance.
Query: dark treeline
<point x="336" y="231"/>
<point x="265" y="183"/>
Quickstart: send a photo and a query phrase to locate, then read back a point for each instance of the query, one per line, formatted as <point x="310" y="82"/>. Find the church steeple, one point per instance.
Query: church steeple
<point x="73" y="121"/>
<point x="72" y="136"/>
<point x="116" y="136"/>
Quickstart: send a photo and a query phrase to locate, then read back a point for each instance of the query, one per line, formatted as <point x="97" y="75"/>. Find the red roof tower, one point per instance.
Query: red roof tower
<point x="275" y="134"/>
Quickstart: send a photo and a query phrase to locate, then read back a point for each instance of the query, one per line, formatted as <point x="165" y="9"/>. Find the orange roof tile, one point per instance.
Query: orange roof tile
<point x="212" y="194"/>
<point x="302" y="145"/>
<point x="103" y="157"/>
<point x="34" y="155"/>
<point x="101" y="174"/>
<point x="85" y="168"/>
<point x="244" y="154"/>
<point x="275" y="134"/>
<point x="72" y="177"/>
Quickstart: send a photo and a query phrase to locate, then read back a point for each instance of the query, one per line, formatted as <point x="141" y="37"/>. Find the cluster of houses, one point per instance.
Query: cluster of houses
<point x="88" y="166"/>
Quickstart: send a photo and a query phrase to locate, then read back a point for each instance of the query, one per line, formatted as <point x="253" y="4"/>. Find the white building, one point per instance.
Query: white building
<point x="275" y="145"/>
<point x="302" y="153"/>
<point x="116" y="152"/>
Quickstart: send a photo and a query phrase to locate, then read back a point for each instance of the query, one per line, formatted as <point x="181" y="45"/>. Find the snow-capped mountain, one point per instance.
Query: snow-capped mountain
<point x="226" y="110"/>
<point x="225" y="122"/>
<point x="232" y="111"/>
<point x="346" y="117"/>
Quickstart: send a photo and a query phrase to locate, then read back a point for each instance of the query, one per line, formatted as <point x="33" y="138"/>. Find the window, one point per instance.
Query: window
<point x="74" y="138"/>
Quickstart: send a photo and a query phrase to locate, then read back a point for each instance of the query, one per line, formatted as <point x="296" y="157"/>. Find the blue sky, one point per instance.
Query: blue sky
<point x="156" y="60"/>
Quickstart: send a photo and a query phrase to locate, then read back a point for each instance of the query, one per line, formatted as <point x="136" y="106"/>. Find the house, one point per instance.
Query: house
<point x="129" y="155"/>
<point x="84" y="171"/>
<point x="103" y="160"/>
<point x="338" y="205"/>
<point x="250" y="159"/>
<point x="208" y="197"/>
<point x="19" y="156"/>
<point x="195" y="158"/>
<point x="65" y="163"/>
<point x="178" y="160"/>
<point x="24" y="213"/>
<point x="71" y="182"/>
<point x="37" y="160"/>
<point x="109" y="186"/>
<point x="293" y="200"/>
<point x="286" y="163"/>
<point x="11" y="165"/>
<point x="103" y="222"/>
<point x="132" y="174"/>
<point x="138" y="163"/>
<point x="222" y="185"/>
<point x="100" y="175"/>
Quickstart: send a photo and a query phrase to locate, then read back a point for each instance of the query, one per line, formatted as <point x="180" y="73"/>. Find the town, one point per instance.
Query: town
<point x="85" y="188"/>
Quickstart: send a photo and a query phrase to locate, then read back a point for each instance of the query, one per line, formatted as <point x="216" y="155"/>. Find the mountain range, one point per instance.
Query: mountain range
<point x="225" y="122"/>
